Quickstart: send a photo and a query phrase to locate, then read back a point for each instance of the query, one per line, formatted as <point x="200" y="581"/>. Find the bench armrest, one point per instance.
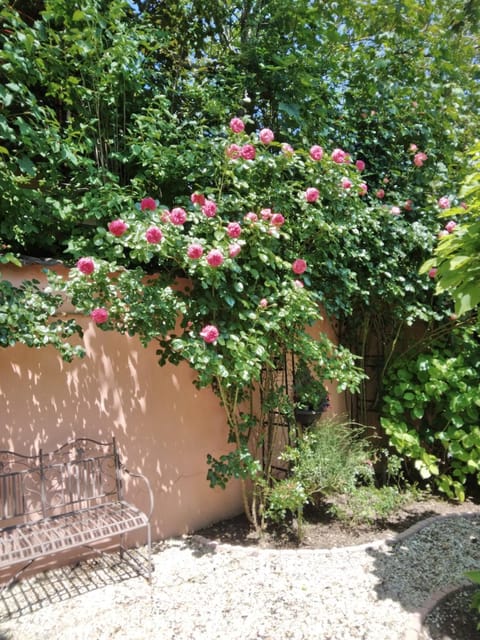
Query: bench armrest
<point x="147" y="484"/>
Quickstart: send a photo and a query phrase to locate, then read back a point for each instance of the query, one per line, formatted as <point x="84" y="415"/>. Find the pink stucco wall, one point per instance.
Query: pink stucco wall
<point x="164" y="426"/>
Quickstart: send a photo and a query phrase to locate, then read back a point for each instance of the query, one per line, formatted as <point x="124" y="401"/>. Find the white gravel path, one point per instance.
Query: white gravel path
<point x="205" y="591"/>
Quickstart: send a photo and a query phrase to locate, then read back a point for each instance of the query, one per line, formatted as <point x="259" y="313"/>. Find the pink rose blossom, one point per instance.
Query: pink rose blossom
<point x="209" y="208"/>
<point x="266" y="214"/>
<point x="419" y="158"/>
<point x="266" y="136"/>
<point x="386" y="180"/>
<point x="251" y="217"/>
<point x="86" y="266"/>
<point x="363" y="188"/>
<point x="443" y="233"/>
<point x="237" y="125"/>
<point x="165" y="217"/>
<point x="234" y="249"/>
<point x="99" y="315"/>
<point x="248" y="152"/>
<point x="233" y="151"/>
<point x="433" y="272"/>
<point x="395" y="211"/>
<point x="153" y="235"/>
<point x="298" y="284"/>
<point x="316" y="152"/>
<point x="209" y="333"/>
<point x="413" y="147"/>
<point x="450" y="226"/>
<point x="408" y="206"/>
<point x="346" y="183"/>
<point x="277" y="220"/>
<point x="299" y="266"/>
<point x="339" y="156"/>
<point x="263" y="303"/>
<point x="287" y="149"/>
<point x="360" y="164"/>
<point x="312" y="194"/>
<point x="444" y="202"/>
<point x="195" y="251"/>
<point x="178" y="216"/>
<point x="117" y="227"/>
<point x="215" y="258"/>
<point x="197" y="198"/>
<point x="148" y="203"/>
<point x="380" y="193"/>
<point x="234" y="230"/>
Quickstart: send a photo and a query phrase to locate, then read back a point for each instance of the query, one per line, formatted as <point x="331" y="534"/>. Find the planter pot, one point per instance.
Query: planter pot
<point x="306" y="417"/>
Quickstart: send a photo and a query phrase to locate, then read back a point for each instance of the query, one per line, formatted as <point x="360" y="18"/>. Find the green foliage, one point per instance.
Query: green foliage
<point x="102" y="105"/>
<point x="431" y="409"/>
<point x="287" y="496"/>
<point x="309" y="392"/>
<point x="253" y="296"/>
<point x="369" y="504"/>
<point x="333" y="465"/>
<point x="26" y="316"/>
<point x="71" y="86"/>
<point x="457" y="255"/>
<point x="333" y="457"/>
<point x="474" y="576"/>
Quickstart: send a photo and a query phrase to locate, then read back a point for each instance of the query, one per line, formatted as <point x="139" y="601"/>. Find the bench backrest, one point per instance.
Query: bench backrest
<point x="78" y="475"/>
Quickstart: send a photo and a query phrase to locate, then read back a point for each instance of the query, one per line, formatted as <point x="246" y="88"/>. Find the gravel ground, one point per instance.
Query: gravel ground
<point x="205" y="591"/>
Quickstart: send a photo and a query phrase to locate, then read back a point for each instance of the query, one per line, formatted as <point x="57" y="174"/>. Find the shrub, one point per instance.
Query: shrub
<point x="367" y="504"/>
<point x="333" y="462"/>
<point x="431" y="412"/>
<point x="331" y="458"/>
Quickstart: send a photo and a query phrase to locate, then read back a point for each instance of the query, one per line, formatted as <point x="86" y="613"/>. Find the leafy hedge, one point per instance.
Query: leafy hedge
<point x="431" y="410"/>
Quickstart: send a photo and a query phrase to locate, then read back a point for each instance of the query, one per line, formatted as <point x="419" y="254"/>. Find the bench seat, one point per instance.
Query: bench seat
<point x="28" y="541"/>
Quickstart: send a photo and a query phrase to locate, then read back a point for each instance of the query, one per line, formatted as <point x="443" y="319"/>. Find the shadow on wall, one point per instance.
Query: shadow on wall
<point x="164" y="426"/>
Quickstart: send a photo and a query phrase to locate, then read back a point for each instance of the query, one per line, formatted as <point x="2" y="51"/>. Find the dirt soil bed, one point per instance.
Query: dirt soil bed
<point x="322" y="531"/>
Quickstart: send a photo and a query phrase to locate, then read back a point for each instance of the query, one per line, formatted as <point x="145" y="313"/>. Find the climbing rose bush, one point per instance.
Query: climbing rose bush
<point x="230" y="276"/>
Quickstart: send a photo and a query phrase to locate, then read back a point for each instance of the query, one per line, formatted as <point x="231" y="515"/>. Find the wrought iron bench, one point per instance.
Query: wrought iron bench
<point x="69" y="498"/>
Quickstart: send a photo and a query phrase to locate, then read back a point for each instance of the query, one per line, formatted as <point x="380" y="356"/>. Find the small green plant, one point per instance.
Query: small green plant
<point x="286" y="496"/>
<point x="331" y="458"/>
<point x="368" y="504"/>
<point x="333" y="463"/>
<point x="474" y="576"/>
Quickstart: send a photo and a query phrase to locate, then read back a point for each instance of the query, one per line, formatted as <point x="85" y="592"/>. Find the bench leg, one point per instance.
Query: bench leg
<point x="149" y="551"/>
<point x="124" y="551"/>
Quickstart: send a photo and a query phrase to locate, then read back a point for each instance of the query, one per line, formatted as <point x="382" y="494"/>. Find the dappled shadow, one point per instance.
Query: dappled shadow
<point x="420" y="564"/>
<point x="407" y="519"/>
<point x="64" y="583"/>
